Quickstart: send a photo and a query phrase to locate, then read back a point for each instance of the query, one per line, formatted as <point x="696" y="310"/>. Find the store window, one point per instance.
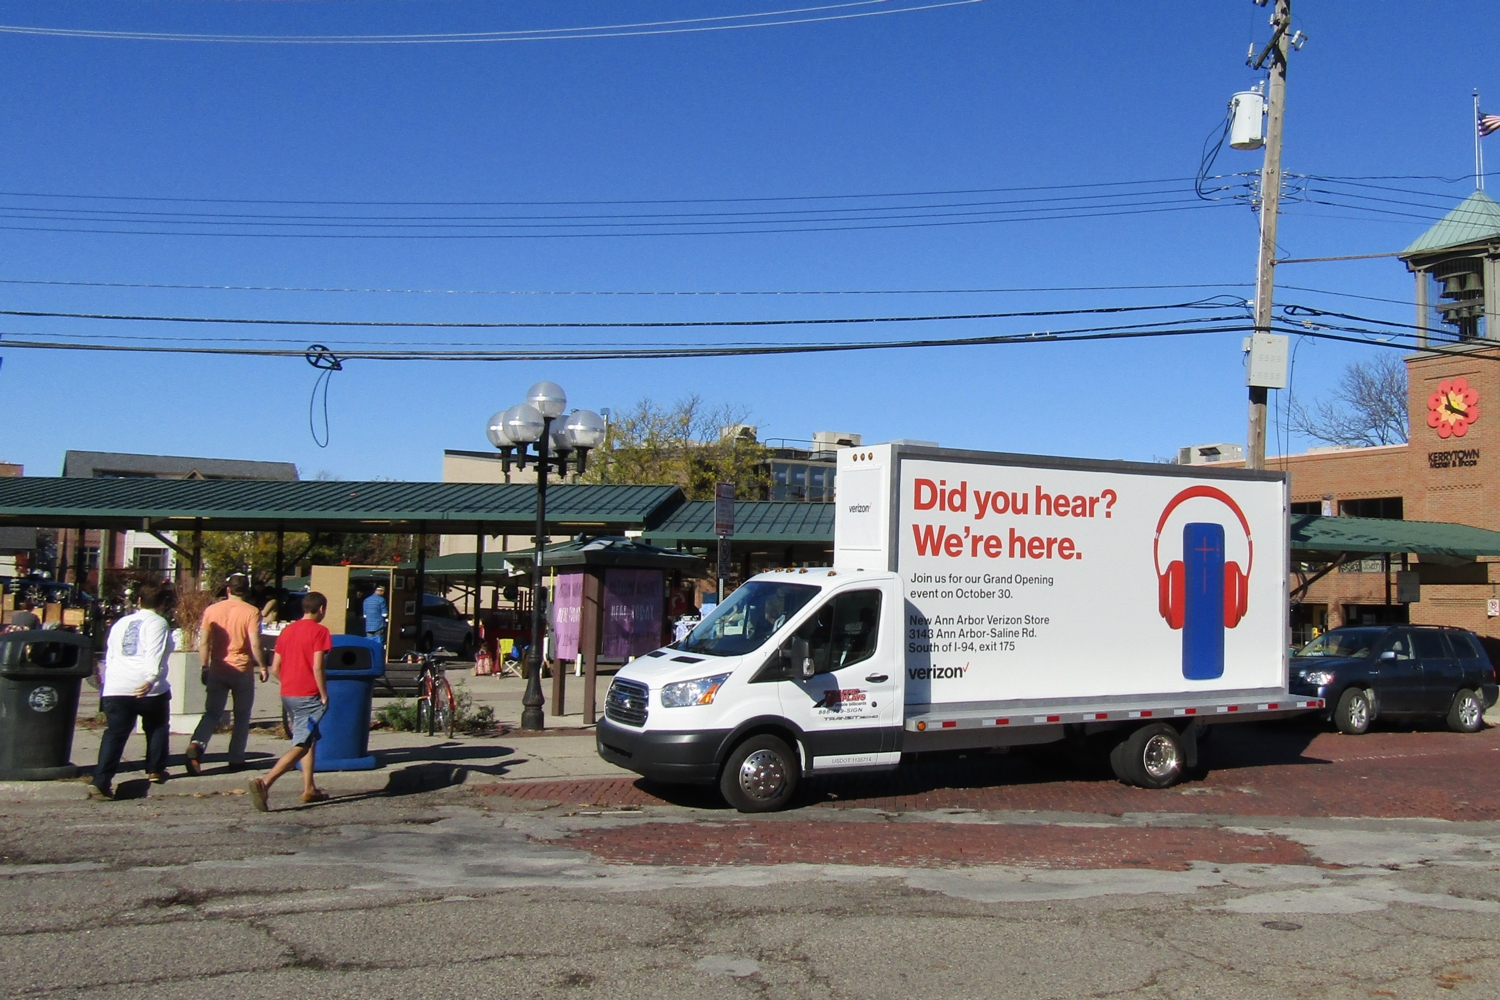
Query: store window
<point x="1388" y="508"/>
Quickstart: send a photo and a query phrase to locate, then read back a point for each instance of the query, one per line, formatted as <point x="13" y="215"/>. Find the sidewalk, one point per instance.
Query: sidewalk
<point x="407" y="761"/>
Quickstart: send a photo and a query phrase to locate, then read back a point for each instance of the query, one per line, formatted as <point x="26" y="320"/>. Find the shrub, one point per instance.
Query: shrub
<point x="401" y="715"/>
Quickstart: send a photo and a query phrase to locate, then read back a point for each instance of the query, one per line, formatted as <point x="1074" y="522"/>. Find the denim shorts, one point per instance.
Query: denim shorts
<point x="303" y="715"/>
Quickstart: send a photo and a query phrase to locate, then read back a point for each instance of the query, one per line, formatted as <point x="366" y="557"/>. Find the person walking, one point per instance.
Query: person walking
<point x="135" y="687"/>
<point x="376" y="614"/>
<point x="229" y="648"/>
<point x="298" y="666"/>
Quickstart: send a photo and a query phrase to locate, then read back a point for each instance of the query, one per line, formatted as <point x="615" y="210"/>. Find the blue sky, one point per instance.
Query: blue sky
<point x="979" y="96"/>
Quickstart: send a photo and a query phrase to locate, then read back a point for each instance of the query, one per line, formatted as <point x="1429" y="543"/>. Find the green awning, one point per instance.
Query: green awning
<point x="777" y="522"/>
<point x="1333" y="535"/>
<point x="328" y="505"/>
<point x="630" y="553"/>
<point x="461" y="564"/>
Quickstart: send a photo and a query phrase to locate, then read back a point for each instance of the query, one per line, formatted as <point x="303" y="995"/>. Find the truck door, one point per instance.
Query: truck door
<point x="849" y="709"/>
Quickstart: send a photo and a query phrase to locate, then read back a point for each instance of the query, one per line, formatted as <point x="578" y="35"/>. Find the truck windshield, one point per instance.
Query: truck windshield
<point x="1354" y="642"/>
<point x="750" y="616"/>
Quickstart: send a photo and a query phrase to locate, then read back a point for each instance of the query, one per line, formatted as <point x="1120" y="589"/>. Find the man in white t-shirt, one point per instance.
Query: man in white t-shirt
<point x="135" y="687"/>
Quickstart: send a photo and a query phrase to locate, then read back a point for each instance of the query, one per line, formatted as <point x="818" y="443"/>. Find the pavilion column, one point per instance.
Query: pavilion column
<point x="80" y="560"/>
<point x="588" y="639"/>
<point x="478" y="582"/>
<point x="559" y="668"/>
<point x="280" y="565"/>
<point x="421" y="594"/>
<point x="198" y="554"/>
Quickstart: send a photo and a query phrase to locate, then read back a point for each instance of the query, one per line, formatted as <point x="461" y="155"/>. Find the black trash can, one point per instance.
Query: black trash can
<point x="41" y="672"/>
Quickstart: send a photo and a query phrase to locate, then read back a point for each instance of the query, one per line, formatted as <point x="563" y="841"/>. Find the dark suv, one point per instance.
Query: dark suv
<point x="1399" y="671"/>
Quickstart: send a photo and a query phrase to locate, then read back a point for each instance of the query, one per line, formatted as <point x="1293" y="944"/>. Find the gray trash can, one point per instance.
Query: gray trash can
<point x="41" y="672"/>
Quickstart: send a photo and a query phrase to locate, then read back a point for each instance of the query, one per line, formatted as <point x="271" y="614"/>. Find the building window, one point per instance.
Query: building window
<point x="1389" y="508"/>
<point x="803" y="481"/>
<point x="1310" y="507"/>
<point x="151" y="559"/>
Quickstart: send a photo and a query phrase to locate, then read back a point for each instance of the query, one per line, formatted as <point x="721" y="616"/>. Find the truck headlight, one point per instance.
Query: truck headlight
<point x="1317" y="678"/>
<point x="698" y="692"/>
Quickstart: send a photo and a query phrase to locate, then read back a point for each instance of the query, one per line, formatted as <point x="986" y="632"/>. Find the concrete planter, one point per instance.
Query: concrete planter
<point x="185" y="675"/>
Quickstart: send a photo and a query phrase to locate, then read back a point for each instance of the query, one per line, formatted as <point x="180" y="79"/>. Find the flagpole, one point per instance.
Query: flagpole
<point x="1478" y="148"/>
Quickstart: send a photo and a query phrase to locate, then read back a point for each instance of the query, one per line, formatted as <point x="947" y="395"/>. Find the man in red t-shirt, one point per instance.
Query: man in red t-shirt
<point x="298" y="666"/>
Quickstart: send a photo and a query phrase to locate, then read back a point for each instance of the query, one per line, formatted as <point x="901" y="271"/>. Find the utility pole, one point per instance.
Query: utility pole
<point x="1274" y="53"/>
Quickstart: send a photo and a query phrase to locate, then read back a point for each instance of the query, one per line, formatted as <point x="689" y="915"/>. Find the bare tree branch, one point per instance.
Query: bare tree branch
<point x="1368" y="407"/>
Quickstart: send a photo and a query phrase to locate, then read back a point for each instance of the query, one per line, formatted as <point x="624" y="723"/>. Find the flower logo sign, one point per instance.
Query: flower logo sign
<point x="1453" y="408"/>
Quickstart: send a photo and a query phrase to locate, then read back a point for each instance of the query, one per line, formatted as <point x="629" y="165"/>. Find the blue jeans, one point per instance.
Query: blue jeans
<point x="120" y="714"/>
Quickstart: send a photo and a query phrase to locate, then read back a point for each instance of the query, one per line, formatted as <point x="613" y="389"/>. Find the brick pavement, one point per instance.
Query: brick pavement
<point x="926" y="845"/>
<point x="1253" y="770"/>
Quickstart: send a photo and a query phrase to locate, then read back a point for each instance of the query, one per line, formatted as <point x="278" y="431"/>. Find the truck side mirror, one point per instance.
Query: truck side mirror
<point x="1389" y="654"/>
<point x="797" y="658"/>
<point x="801" y="657"/>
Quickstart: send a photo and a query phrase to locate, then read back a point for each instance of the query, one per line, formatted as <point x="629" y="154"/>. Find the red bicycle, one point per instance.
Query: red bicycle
<point x="437" y="708"/>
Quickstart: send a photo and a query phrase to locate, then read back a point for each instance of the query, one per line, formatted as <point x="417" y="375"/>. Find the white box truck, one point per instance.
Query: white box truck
<point x="980" y="600"/>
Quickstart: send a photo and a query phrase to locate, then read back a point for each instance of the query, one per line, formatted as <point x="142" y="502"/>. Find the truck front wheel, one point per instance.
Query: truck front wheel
<point x="760" y="775"/>
<point x="1151" y="757"/>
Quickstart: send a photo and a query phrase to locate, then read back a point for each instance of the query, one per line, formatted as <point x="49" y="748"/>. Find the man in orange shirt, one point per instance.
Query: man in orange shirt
<point x="229" y="648"/>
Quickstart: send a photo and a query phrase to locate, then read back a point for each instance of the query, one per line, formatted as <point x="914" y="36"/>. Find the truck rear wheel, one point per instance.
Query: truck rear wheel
<point x="1151" y="757"/>
<point x="760" y="775"/>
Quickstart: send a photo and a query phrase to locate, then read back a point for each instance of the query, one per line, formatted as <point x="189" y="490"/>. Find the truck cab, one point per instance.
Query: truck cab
<point x="799" y="671"/>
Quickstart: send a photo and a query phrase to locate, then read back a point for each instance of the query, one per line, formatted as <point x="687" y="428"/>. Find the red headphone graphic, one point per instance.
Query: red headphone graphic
<point x="1172" y="584"/>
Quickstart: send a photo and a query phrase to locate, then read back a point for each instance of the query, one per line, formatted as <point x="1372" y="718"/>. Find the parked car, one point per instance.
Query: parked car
<point x="443" y="627"/>
<point x="1397" y="671"/>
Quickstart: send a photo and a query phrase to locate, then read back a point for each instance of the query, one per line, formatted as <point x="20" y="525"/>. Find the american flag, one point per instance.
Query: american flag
<point x="1488" y="123"/>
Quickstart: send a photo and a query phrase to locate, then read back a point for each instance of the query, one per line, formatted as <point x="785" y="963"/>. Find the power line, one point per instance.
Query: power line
<point x="625" y="234"/>
<point x="1346" y="295"/>
<point x="677" y="27"/>
<point x="828" y="216"/>
<point x="617" y="201"/>
<point x="1231" y="324"/>
<point x="607" y="325"/>
<point x="592" y="292"/>
<point x="65" y="214"/>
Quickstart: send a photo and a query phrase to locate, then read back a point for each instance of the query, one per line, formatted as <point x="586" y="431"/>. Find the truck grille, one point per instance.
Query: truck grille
<point x="626" y="702"/>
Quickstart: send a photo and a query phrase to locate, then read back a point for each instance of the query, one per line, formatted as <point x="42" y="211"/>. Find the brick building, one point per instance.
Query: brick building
<point x="1449" y="469"/>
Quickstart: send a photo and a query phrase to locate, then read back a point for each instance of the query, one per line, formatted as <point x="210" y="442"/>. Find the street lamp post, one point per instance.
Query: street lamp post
<point x="515" y="433"/>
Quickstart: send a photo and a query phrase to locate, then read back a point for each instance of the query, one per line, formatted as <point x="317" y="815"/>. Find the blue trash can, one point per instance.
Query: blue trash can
<point x="351" y="669"/>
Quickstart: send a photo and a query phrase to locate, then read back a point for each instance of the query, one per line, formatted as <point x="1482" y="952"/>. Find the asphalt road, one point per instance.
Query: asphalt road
<point x="552" y="890"/>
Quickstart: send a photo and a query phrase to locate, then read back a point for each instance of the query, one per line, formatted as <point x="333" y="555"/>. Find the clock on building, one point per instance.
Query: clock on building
<point x="1453" y="408"/>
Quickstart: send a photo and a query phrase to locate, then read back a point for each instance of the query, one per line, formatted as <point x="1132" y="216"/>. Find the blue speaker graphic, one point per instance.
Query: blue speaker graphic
<point x="1203" y="593"/>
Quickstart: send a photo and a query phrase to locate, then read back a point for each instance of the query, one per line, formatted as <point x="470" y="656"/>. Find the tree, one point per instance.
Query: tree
<point x="1367" y="408"/>
<point x="688" y="444"/>
<point x="254" y="552"/>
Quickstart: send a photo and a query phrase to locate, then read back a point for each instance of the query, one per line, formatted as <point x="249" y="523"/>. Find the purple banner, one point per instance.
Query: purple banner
<point x="567" y="613"/>
<point x="633" y="601"/>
